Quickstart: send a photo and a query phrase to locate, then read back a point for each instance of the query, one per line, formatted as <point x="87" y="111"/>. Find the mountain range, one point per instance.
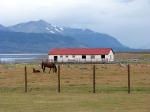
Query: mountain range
<point x="40" y="36"/>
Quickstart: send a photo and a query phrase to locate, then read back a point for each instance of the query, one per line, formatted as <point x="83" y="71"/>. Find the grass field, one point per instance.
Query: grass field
<point x="76" y="89"/>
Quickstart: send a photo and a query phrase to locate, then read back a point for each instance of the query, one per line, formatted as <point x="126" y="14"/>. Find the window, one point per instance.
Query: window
<point x="66" y="56"/>
<point x="102" y="56"/>
<point x="61" y="56"/>
<point x="92" y="56"/>
<point x="73" y="56"/>
<point x="83" y="56"/>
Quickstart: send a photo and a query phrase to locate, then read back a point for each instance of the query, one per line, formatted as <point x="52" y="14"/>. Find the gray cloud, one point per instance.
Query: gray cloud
<point x="126" y="1"/>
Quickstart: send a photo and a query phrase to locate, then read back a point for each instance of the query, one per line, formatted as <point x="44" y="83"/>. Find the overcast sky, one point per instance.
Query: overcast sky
<point x="127" y="20"/>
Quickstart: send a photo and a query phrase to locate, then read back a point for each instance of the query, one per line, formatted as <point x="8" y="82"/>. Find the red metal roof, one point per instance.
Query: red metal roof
<point x="79" y="51"/>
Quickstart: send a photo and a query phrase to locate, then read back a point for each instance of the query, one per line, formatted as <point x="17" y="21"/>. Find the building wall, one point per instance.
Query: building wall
<point x="78" y="58"/>
<point x="110" y="56"/>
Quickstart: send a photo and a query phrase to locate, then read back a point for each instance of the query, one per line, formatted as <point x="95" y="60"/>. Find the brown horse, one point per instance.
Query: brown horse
<point x="49" y="65"/>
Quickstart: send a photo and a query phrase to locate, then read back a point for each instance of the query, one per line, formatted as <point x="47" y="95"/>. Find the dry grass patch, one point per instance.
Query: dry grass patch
<point x="76" y="89"/>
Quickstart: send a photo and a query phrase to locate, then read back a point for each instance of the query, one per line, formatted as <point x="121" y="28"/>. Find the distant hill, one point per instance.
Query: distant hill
<point x="94" y="39"/>
<point x="19" y="42"/>
<point x="40" y="36"/>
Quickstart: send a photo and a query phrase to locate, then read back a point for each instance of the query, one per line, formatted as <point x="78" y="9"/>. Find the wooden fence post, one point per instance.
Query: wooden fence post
<point x="25" y="74"/>
<point x="128" y="78"/>
<point x="94" y="79"/>
<point x="58" y="89"/>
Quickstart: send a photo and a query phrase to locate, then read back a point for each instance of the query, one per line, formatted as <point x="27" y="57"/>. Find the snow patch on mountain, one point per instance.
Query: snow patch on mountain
<point x="51" y="31"/>
<point x="62" y="29"/>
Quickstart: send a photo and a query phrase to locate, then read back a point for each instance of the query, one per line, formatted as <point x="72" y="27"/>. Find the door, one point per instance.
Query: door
<point x="55" y="58"/>
<point x="83" y="56"/>
<point x="103" y="56"/>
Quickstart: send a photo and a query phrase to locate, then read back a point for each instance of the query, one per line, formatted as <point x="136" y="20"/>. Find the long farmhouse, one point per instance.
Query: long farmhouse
<point x="81" y="55"/>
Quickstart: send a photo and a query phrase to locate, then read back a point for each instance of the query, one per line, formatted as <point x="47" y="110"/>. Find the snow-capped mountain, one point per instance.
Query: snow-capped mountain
<point x="35" y="27"/>
<point x="85" y="36"/>
<point x="40" y="36"/>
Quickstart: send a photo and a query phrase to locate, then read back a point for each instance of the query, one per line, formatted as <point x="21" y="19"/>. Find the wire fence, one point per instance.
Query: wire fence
<point x="76" y="78"/>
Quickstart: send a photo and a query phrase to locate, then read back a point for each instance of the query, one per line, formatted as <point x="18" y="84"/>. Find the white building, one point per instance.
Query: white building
<point x="81" y="55"/>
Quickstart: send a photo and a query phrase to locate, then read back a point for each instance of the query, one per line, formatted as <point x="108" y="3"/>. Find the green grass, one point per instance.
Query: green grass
<point x="74" y="102"/>
<point x="145" y="56"/>
<point x="74" y="98"/>
<point x="83" y="88"/>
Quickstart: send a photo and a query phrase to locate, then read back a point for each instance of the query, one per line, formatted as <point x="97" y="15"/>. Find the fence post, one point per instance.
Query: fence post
<point x="25" y="74"/>
<point x="94" y="79"/>
<point x="58" y="89"/>
<point x="128" y="78"/>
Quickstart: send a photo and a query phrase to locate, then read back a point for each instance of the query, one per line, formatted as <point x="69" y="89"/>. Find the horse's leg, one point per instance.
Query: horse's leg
<point x="44" y="69"/>
<point x="49" y="70"/>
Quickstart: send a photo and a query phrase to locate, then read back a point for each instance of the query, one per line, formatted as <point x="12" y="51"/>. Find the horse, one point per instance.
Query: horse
<point x="36" y="71"/>
<point x="50" y="65"/>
